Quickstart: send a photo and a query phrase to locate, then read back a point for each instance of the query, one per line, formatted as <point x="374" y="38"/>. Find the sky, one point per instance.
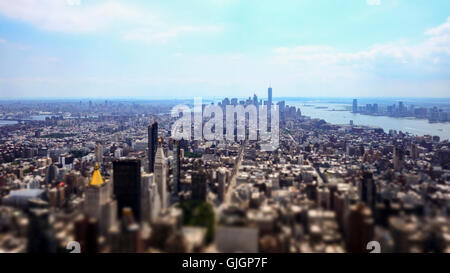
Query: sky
<point x="217" y="48"/>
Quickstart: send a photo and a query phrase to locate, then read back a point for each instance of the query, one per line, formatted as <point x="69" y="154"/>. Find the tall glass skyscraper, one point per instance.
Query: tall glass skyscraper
<point x="152" y="145"/>
<point x="127" y="185"/>
<point x="269" y="108"/>
<point x="176" y="166"/>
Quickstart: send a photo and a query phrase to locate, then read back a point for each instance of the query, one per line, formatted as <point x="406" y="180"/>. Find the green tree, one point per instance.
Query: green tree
<point x="198" y="213"/>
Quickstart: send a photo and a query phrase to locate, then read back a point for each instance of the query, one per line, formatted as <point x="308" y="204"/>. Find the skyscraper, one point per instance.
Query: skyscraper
<point x="368" y="190"/>
<point x="150" y="201"/>
<point x="86" y="233"/>
<point x="269" y="96"/>
<point x="127" y="185"/>
<point x="360" y="228"/>
<point x="355" y="106"/>
<point x="199" y="185"/>
<point x="221" y="180"/>
<point x="269" y="106"/>
<point x="152" y="145"/>
<point x="160" y="174"/>
<point x="281" y="107"/>
<point x="40" y="236"/>
<point x="176" y="166"/>
<point x="98" y="203"/>
<point x="51" y="175"/>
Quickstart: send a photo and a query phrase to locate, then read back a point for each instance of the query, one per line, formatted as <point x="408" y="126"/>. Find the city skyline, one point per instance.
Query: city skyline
<point x="89" y="184"/>
<point x="223" y="127"/>
<point x="368" y="48"/>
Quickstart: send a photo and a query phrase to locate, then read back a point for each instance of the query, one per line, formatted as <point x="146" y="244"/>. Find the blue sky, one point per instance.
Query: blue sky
<point x="178" y="48"/>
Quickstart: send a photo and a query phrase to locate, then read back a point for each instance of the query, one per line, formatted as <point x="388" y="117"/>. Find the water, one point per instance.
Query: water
<point x="36" y="117"/>
<point x="7" y="122"/>
<point x="411" y="125"/>
<point x="40" y="117"/>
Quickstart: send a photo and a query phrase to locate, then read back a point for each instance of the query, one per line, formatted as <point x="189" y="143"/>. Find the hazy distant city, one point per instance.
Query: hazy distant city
<point x="224" y="126"/>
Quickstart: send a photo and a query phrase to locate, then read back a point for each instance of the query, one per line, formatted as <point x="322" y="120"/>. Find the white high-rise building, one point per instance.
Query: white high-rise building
<point x="160" y="175"/>
<point x="98" y="203"/>
<point x="222" y="175"/>
<point x="150" y="201"/>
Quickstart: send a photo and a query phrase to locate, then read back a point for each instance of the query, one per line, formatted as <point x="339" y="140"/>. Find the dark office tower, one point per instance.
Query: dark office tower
<point x="51" y="175"/>
<point x="359" y="228"/>
<point x="86" y="233"/>
<point x="368" y="190"/>
<point x="355" y="106"/>
<point x="176" y="166"/>
<point x="199" y="185"/>
<point x="40" y="233"/>
<point x="269" y="106"/>
<point x="152" y="145"/>
<point x="269" y="96"/>
<point x="127" y="185"/>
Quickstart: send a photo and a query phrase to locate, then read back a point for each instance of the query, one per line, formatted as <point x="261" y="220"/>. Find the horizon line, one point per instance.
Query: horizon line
<point x="97" y="98"/>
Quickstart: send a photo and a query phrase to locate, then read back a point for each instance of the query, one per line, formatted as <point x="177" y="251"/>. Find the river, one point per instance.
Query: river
<point x="410" y="125"/>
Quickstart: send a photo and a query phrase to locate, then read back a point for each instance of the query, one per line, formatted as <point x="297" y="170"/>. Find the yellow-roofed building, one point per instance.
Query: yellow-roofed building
<point x="96" y="179"/>
<point x="98" y="202"/>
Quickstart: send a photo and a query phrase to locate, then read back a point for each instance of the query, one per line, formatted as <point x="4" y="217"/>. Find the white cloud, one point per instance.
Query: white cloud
<point x="398" y="67"/>
<point x="432" y="49"/>
<point x="373" y="2"/>
<point x="62" y="16"/>
<point x="162" y="34"/>
<point x="74" y="16"/>
<point x="440" y="30"/>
